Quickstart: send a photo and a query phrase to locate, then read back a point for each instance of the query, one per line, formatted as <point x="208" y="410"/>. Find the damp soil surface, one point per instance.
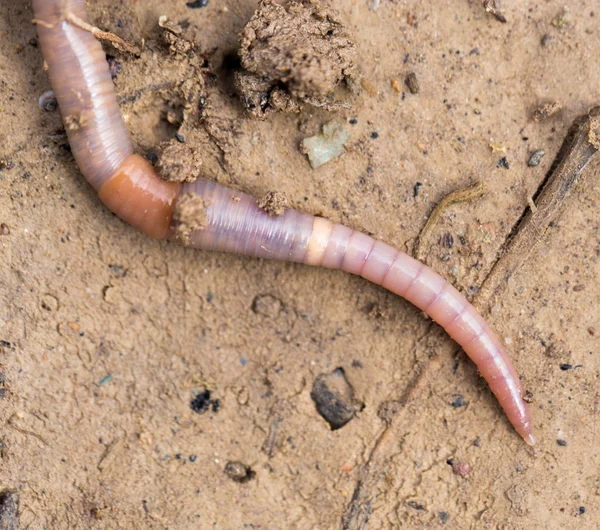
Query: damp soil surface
<point x="144" y="385"/>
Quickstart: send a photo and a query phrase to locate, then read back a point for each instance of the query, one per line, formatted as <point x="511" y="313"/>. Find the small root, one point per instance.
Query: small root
<point x="467" y="194"/>
<point x="115" y="40"/>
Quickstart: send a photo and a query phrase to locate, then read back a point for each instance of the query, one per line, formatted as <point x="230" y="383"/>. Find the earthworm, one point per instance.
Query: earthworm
<point x="130" y="187"/>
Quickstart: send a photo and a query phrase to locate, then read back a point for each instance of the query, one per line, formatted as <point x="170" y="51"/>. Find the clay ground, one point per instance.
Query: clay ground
<point x="84" y="297"/>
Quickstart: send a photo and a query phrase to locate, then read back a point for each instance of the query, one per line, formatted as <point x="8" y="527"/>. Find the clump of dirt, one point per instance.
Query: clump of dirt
<point x="178" y="162"/>
<point x="299" y="51"/>
<point x="189" y="215"/>
<point x="274" y="203"/>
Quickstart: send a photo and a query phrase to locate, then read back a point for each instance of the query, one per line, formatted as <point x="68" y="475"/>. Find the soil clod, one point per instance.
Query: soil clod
<point x="546" y="111"/>
<point x="300" y="48"/>
<point x="274" y="203"/>
<point x="189" y="215"/>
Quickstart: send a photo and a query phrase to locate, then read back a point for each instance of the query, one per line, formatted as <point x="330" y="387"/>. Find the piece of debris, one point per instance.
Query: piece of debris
<point x="300" y="48"/>
<point x="239" y="472"/>
<point x="4" y="229"/>
<point x="274" y="203"/>
<point x="189" y="215"/>
<point x="447" y="240"/>
<point x="9" y="510"/>
<point x="562" y="19"/>
<point x="536" y="158"/>
<point x="47" y="101"/>
<point x="561" y="442"/>
<point x="6" y="164"/>
<point x="493" y="7"/>
<point x="105" y="380"/>
<point x="412" y="83"/>
<point x="326" y="145"/>
<point x="203" y="401"/>
<point x="497" y="148"/>
<point x="546" y="111"/>
<point x="396" y="85"/>
<point x="334" y="398"/>
<point x="503" y="162"/>
<point x="458" y="402"/>
<point x="178" y="162"/>
<point x="416" y="189"/>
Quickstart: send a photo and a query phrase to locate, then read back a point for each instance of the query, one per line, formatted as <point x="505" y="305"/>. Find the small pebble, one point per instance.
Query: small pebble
<point x="581" y="510"/>
<point x="565" y="367"/>
<point x="334" y="398"/>
<point x="592" y="331"/>
<point x="6" y="164"/>
<point x="412" y="83"/>
<point x="503" y="162"/>
<point x="536" y="158"/>
<point x="4" y="229"/>
<point x="459" y="467"/>
<point x="9" y="510"/>
<point x="562" y="443"/>
<point x="239" y="472"/>
<point x="197" y="4"/>
<point x="458" y="402"/>
<point x="416" y="189"/>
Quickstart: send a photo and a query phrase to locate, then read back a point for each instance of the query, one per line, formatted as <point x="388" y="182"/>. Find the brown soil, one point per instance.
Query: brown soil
<point x="147" y="385"/>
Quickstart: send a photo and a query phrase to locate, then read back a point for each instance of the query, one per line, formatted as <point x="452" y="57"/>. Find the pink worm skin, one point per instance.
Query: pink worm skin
<point x="102" y="148"/>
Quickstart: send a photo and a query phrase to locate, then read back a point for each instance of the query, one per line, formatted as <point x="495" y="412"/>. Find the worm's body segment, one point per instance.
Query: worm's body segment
<point x="130" y="187"/>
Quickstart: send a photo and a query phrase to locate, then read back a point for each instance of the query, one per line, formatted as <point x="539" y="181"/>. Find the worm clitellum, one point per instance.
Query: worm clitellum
<point x="130" y="187"/>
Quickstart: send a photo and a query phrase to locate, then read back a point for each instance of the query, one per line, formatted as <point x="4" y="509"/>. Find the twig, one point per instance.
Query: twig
<point x="464" y="195"/>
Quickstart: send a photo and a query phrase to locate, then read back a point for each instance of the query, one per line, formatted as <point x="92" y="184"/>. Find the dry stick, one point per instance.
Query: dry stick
<point x="582" y="143"/>
<point x="550" y="202"/>
<point x="458" y="196"/>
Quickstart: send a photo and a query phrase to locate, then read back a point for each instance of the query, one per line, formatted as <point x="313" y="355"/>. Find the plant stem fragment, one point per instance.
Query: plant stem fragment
<point x="466" y="194"/>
